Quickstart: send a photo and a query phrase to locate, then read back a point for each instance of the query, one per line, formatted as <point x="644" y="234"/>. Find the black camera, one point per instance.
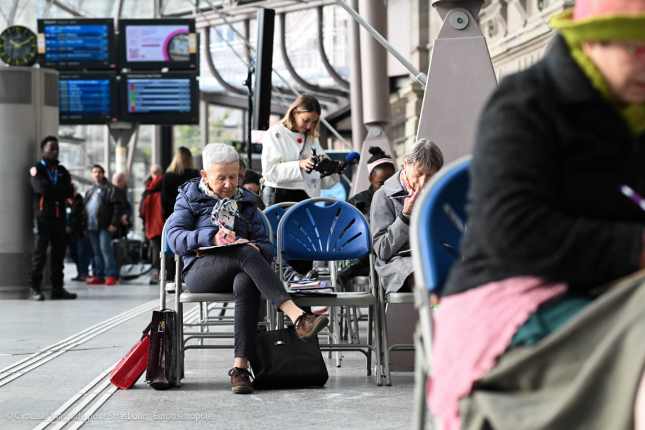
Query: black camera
<point x="326" y="166"/>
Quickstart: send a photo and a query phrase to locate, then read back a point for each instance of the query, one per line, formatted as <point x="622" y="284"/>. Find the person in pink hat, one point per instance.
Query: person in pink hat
<point x="541" y="322"/>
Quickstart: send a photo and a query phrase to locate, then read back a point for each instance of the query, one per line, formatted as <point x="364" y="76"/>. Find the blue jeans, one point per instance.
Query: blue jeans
<point x="80" y="249"/>
<point x="104" y="260"/>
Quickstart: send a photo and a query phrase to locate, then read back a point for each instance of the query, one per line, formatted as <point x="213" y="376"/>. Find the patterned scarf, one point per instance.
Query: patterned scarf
<point x="404" y="182"/>
<point x="225" y="210"/>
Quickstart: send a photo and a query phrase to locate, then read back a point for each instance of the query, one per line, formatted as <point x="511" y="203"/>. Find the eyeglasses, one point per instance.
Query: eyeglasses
<point x="636" y="52"/>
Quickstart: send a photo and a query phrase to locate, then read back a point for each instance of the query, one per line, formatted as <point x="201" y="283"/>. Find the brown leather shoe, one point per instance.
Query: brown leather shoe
<point x="241" y="380"/>
<point x="308" y="325"/>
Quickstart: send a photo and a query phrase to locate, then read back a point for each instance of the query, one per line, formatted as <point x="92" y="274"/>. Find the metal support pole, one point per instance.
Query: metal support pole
<point x="248" y="83"/>
<point x="356" y="87"/>
<point x="203" y="123"/>
<point x="132" y="150"/>
<point x="106" y="150"/>
<point x="387" y="45"/>
<point x="375" y="88"/>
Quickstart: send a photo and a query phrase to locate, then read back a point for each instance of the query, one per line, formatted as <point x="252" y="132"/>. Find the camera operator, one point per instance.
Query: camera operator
<point x="286" y="155"/>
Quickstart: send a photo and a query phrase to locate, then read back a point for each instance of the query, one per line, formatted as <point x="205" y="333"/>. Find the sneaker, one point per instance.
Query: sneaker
<point x="96" y="281"/>
<point x="312" y="274"/>
<point x="241" y="380"/>
<point x="36" y="295"/>
<point x="81" y="278"/>
<point x="111" y="281"/>
<point x="308" y="325"/>
<point x="62" y="294"/>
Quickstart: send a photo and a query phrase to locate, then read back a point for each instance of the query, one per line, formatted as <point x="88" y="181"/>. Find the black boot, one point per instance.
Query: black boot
<point x="346" y="274"/>
<point x="36" y="295"/>
<point x="62" y="294"/>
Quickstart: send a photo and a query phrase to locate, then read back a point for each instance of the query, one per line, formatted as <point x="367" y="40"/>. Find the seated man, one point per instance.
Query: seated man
<point x="390" y="214"/>
<point x="214" y="210"/>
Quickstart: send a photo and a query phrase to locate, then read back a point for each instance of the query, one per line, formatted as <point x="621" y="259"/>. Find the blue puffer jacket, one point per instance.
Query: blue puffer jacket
<point x="191" y="225"/>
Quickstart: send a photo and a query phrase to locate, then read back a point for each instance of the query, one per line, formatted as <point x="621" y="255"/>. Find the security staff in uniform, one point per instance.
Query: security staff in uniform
<point x="52" y="187"/>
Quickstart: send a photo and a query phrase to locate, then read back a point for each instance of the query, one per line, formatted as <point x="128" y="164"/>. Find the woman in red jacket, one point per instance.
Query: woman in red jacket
<point x="151" y="214"/>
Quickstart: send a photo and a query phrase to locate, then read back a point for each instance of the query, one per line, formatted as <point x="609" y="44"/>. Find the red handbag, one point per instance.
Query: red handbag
<point x="132" y="366"/>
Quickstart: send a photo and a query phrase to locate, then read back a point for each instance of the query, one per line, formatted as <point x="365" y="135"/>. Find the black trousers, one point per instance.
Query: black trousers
<point x="51" y="231"/>
<point x="243" y="271"/>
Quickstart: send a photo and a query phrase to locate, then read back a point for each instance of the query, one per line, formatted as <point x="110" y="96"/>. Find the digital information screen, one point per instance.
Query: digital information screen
<point x="157" y="43"/>
<point x="159" y="96"/>
<point x="77" y="43"/>
<point x="86" y="99"/>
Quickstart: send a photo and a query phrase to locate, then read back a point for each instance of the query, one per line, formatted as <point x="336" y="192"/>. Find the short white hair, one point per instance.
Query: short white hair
<point x="218" y="153"/>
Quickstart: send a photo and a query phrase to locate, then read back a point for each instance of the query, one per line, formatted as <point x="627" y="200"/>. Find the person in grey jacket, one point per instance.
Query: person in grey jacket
<point x="390" y="214"/>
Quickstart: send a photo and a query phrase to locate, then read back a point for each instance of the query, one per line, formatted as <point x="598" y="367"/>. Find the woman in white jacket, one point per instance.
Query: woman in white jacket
<point x="286" y="153"/>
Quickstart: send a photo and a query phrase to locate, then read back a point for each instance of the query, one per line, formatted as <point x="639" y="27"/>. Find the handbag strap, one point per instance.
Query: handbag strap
<point x="248" y="226"/>
<point x="146" y="330"/>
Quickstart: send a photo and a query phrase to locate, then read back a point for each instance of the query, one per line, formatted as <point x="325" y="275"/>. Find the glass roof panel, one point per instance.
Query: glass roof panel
<point x="137" y="9"/>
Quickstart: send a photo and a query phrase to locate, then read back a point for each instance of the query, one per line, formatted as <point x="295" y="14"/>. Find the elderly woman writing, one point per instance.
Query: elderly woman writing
<point x="390" y="214"/>
<point x="540" y="325"/>
<point x="214" y="210"/>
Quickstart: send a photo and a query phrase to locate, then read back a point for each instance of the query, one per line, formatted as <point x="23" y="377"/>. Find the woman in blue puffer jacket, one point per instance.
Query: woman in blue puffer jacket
<point x="214" y="210"/>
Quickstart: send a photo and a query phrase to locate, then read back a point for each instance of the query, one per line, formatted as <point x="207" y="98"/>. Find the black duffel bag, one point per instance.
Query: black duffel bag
<point x="280" y="359"/>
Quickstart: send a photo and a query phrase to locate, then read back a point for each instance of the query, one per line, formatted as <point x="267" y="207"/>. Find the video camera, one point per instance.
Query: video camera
<point x="326" y="166"/>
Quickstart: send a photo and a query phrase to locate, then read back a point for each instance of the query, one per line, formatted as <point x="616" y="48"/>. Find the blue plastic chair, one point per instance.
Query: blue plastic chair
<point x="437" y="226"/>
<point x="328" y="233"/>
<point x="335" y="232"/>
<point x="274" y="214"/>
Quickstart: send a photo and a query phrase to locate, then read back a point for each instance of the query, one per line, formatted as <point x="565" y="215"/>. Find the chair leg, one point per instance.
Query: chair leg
<point x="356" y="334"/>
<point x="201" y="320"/>
<point x="337" y="332"/>
<point x="420" y="376"/>
<point x="368" y="359"/>
<point x="385" y="346"/>
<point x="180" y="344"/>
<point x="379" y="348"/>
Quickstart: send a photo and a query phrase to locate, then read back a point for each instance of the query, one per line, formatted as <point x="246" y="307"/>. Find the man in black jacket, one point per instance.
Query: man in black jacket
<point x="103" y="211"/>
<point x="52" y="187"/>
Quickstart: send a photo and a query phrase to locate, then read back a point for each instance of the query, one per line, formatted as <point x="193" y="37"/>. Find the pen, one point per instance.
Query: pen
<point x="633" y="196"/>
<point x="402" y="197"/>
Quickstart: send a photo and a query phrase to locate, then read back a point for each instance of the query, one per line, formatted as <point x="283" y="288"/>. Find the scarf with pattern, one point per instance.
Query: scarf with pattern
<point x="225" y="210"/>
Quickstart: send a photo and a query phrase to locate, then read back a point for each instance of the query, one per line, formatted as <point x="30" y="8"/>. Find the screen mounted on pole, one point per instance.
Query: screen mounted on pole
<point x="76" y="44"/>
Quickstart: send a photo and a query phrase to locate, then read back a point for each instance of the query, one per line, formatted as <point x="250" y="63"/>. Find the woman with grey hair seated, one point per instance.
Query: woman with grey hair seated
<point x="214" y="210"/>
<point x="390" y="214"/>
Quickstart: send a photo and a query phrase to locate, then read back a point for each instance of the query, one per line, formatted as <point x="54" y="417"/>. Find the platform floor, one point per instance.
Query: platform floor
<point x="77" y="341"/>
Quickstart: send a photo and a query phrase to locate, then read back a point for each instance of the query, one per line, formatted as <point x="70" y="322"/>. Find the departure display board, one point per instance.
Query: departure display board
<point x="80" y="44"/>
<point x="87" y="98"/>
<point x="158" y="95"/>
<point x="163" y="98"/>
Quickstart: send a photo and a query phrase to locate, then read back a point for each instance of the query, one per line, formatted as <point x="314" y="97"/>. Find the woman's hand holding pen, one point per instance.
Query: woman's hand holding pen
<point x="409" y="203"/>
<point x="223" y="237"/>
